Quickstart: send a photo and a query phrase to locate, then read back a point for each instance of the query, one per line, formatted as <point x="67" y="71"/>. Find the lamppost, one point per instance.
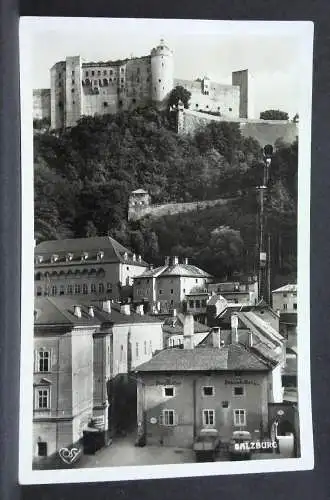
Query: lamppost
<point x="264" y="259"/>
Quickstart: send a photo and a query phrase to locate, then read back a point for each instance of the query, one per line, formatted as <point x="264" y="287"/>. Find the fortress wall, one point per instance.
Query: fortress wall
<point x="41" y="104"/>
<point x="173" y="208"/>
<point x="264" y="131"/>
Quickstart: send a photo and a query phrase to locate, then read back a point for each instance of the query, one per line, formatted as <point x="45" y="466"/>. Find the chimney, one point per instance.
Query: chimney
<point x="151" y="266"/>
<point x="175" y="260"/>
<point x="134" y="257"/>
<point x="186" y="261"/>
<point x="188" y="331"/>
<point x="106" y="306"/>
<point x="234" y="329"/>
<point x="91" y="311"/>
<point x="216" y="337"/>
<point x="77" y="311"/>
<point x="139" y="258"/>
<point x="125" y="309"/>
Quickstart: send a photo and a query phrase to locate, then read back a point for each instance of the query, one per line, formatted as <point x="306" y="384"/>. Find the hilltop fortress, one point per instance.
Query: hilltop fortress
<point x="80" y="88"/>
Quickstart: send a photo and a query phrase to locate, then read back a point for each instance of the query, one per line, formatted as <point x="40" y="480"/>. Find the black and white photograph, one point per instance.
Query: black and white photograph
<point x="165" y="260"/>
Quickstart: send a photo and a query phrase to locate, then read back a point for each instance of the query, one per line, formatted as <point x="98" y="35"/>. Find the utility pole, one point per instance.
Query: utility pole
<point x="264" y="244"/>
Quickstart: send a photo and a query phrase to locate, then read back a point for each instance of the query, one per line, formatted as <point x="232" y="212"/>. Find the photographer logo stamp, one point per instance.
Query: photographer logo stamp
<point x="69" y="456"/>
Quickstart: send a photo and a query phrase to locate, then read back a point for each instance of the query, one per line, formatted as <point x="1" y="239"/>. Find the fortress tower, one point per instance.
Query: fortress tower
<point x="162" y="72"/>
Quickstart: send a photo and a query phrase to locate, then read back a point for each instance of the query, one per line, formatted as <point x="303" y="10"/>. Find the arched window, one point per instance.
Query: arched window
<point x="70" y="290"/>
<point x="87" y="81"/>
<point x="85" y="289"/>
<point x="105" y="82"/>
<point x="54" y="290"/>
<point x="101" y="288"/>
<point x="77" y="289"/>
<point x="62" y="291"/>
<point x="37" y="277"/>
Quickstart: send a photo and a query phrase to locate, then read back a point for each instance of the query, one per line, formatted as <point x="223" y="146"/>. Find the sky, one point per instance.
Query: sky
<point x="270" y="51"/>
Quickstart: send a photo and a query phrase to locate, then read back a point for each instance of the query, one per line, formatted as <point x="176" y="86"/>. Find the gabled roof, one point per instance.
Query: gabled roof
<point x="286" y="288"/>
<point x="234" y="357"/>
<point x="254" y="323"/>
<point x="112" y="249"/>
<point x="186" y="270"/>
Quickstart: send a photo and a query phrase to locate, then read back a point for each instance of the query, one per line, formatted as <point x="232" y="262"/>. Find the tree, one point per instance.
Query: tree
<point x="179" y="93"/>
<point x="274" y="114"/>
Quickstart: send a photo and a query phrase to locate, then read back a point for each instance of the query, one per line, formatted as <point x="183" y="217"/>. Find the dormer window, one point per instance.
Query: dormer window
<point x="84" y="256"/>
<point x="125" y="256"/>
<point x="100" y="255"/>
<point x="69" y="257"/>
<point x="54" y="258"/>
<point x="39" y="259"/>
<point x="134" y="257"/>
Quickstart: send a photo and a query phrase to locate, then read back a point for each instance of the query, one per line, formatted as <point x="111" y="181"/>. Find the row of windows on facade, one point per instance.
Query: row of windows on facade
<point x="197" y="304"/>
<point x="75" y="289"/>
<point x="44" y="362"/>
<point x="207" y="390"/>
<point x="285" y="306"/>
<point x="110" y="72"/>
<point x="69" y="257"/>
<point x="170" y="417"/>
<point x="207" y="107"/>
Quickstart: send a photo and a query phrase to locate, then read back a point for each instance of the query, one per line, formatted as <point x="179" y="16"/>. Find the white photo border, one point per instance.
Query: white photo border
<point x="303" y="30"/>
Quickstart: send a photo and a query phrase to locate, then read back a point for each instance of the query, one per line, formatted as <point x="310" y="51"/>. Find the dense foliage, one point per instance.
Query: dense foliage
<point x="274" y="114"/>
<point x="83" y="178"/>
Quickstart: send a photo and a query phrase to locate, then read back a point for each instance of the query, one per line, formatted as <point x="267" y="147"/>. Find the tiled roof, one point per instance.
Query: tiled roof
<point x="60" y="311"/>
<point x="233" y="357"/>
<point x="112" y="249"/>
<point x="176" y="270"/>
<point x="257" y="325"/>
<point x="175" y="325"/>
<point x="215" y="299"/>
<point x="286" y="288"/>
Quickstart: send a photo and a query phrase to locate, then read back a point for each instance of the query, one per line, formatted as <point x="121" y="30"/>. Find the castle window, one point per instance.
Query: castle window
<point x="42" y="399"/>
<point x="93" y="288"/>
<point x="39" y="291"/>
<point x="133" y="101"/>
<point x="110" y="79"/>
<point x="54" y="290"/>
<point x="105" y="104"/>
<point x="230" y="109"/>
<point x="70" y="290"/>
<point x="85" y="289"/>
<point x="196" y="105"/>
<point x="72" y="90"/>
<point x="105" y="72"/>
<point x="100" y="83"/>
<point x="77" y="289"/>
<point x="161" y="47"/>
<point x="148" y="79"/>
<point x="101" y="288"/>
<point x="122" y="69"/>
<point x="207" y="106"/>
<point x="72" y="81"/>
<point x="111" y="72"/>
<point x="93" y="73"/>
<point x="60" y="104"/>
<point x="73" y="102"/>
<point x="98" y="73"/>
<point x="87" y="82"/>
<point x="86" y="73"/>
<point x="105" y="82"/>
<point x="120" y="103"/>
<point x="159" y="80"/>
<point x="62" y="290"/>
<point x="95" y="82"/>
<point x="122" y="80"/>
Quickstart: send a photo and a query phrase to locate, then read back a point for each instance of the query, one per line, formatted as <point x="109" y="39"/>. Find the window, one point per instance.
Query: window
<point x="145" y="347"/>
<point x="109" y="287"/>
<point x="239" y="391"/>
<point x="160" y="292"/>
<point x="122" y="70"/>
<point x="168" y="417"/>
<point x="85" y="289"/>
<point x="225" y="404"/>
<point x="101" y="288"/>
<point x="172" y="291"/>
<point x="208" y="417"/>
<point x="42" y="449"/>
<point x="159" y="80"/>
<point x="295" y="307"/>
<point x="285" y="306"/>
<point x="150" y="346"/>
<point x="93" y="73"/>
<point x="204" y="302"/>
<point x="47" y="291"/>
<point x="77" y="289"/>
<point x="230" y="109"/>
<point x="43" y="399"/>
<point x="72" y="81"/>
<point x="198" y="304"/>
<point x="69" y="290"/>
<point x="44" y="361"/>
<point x="54" y="290"/>
<point x="285" y="295"/>
<point x="105" y="72"/>
<point x="133" y="101"/>
<point x="169" y="391"/>
<point x="86" y="73"/>
<point x="196" y="281"/>
<point x="239" y="417"/>
<point x="137" y="349"/>
<point x="208" y="390"/>
<point x="93" y="288"/>
<point x="98" y="73"/>
<point x="121" y="353"/>
<point x="62" y="291"/>
<point x="191" y="304"/>
<point x="39" y="291"/>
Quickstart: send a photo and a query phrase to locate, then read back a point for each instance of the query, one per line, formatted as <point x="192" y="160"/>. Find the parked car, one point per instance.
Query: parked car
<point x="240" y="445"/>
<point x="206" y="445"/>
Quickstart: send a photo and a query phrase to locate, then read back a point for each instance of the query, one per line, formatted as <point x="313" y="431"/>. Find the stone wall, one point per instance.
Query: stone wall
<point x="173" y="208"/>
<point x="264" y="131"/>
